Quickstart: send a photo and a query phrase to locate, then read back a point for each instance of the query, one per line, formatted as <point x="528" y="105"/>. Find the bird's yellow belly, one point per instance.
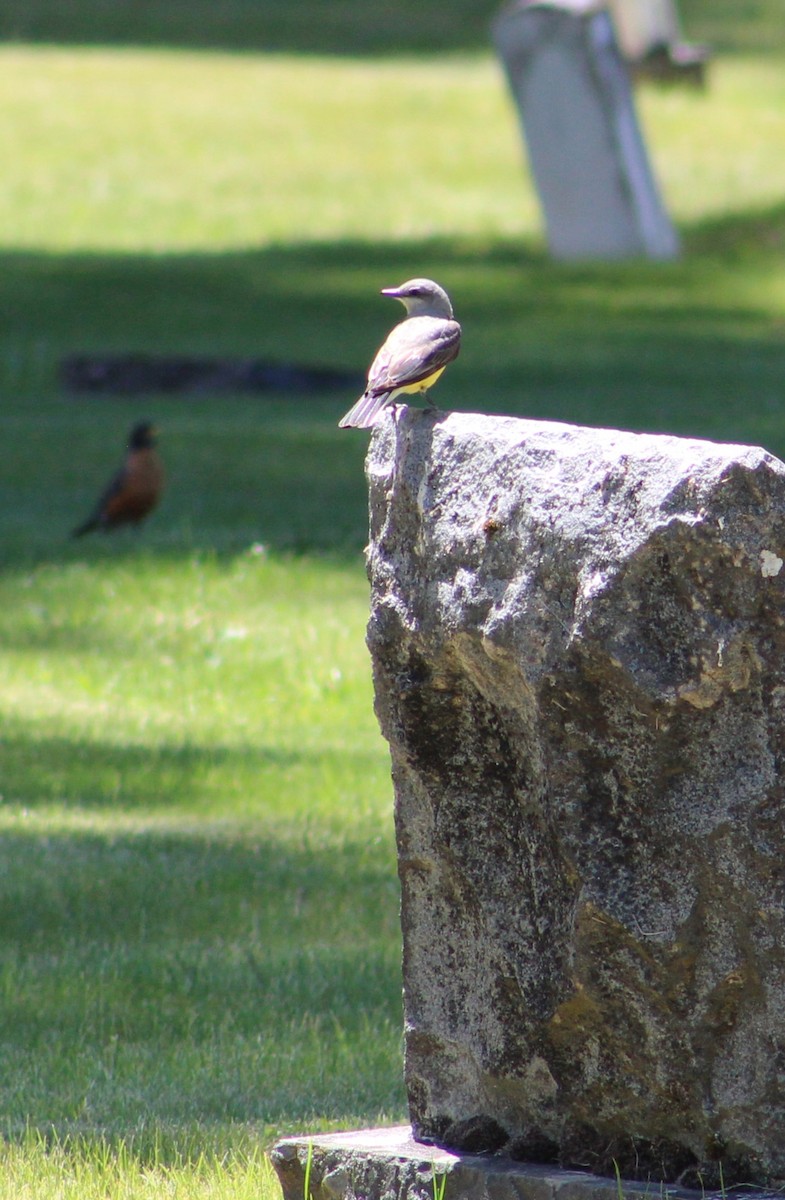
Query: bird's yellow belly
<point x="422" y="385"/>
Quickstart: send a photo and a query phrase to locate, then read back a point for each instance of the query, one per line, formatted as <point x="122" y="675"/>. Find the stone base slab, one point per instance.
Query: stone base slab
<point x="387" y="1164"/>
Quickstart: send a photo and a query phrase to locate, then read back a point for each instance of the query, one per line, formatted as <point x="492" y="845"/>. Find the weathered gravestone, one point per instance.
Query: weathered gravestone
<point x="578" y="644"/>
<point x="578" y="641"/>
<point x="588" y="159"/>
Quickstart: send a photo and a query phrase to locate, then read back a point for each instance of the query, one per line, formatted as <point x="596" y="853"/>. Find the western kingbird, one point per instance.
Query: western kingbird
<point x="415" y="353"/>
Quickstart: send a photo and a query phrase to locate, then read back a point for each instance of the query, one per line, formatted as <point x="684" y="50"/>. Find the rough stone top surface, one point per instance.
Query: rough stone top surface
<point x="511" y="460"/>
<point x="488" y="502"/>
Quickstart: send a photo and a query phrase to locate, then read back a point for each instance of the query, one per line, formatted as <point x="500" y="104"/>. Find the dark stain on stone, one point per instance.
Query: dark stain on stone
<point x="478" y="1134"/>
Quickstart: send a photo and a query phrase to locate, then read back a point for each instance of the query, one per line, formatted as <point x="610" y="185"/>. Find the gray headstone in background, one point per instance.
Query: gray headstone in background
<point x="587" y="156"/>
<point x="578" y="646"/>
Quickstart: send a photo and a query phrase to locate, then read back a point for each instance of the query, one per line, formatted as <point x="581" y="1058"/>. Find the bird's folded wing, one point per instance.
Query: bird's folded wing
<point x="414" y="350"/>
<point x="113" y="489"/>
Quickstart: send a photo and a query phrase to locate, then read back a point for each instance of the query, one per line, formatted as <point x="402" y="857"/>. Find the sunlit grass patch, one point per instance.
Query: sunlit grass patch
<point x="144" y="1166"/>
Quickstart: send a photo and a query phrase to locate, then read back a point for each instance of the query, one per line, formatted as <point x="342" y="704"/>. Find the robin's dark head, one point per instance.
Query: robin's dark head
<point x="142" y="436"/>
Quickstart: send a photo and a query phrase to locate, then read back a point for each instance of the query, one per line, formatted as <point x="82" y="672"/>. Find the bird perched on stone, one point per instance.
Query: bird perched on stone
<point x="415" y="353"/>
<point x="136" y="488"/>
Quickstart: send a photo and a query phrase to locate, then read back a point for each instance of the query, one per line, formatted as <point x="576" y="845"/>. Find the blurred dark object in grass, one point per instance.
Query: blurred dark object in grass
<point x="136" y="374"/>
<point x="651" y="40"/>
<point x="680" y="63"/>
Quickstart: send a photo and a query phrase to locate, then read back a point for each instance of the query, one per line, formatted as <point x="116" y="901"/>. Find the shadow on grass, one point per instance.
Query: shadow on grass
<point x="346" y="27"/>
<point x="93" y="776"/>
<point x="93" y="888"/>
<point x="317" y="303"/>
<point x="153" y="979"/>
<point x="689" y="347"/>
<point x="738" y="235"/>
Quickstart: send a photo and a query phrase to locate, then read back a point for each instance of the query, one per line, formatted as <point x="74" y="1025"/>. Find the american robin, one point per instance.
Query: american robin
<point x="135" y="489"/>
<point x="415" y="353"/>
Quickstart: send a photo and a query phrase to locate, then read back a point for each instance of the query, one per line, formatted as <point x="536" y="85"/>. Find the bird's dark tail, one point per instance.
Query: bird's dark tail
<point x="87" y="527"/>
<point x="366" y="411"/>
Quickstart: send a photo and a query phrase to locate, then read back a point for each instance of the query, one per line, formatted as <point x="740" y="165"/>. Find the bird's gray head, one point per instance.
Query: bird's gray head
<point x="422" y="298"/>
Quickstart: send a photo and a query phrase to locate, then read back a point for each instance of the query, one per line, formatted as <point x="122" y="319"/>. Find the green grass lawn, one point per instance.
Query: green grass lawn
<point x="199" y="942"/>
